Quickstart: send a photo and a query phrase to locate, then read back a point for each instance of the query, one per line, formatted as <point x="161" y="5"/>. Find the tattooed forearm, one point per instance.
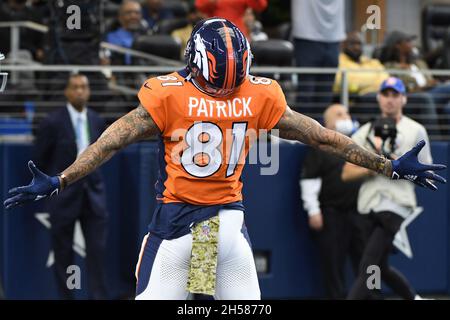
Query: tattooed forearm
<point x="295" y="126"/>
<point x="132" y="127"/>
<point x="357" y="155"/>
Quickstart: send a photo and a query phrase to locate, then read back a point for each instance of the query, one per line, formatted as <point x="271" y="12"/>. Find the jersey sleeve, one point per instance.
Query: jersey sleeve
<point x="274" y="106"/>
<point x="150" y="98"/>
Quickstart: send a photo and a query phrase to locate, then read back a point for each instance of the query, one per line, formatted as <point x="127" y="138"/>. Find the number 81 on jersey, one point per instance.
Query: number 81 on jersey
<point x="202" y="156"/>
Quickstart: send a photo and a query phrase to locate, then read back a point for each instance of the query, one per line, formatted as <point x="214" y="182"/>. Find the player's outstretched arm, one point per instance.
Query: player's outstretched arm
<point x="132" y="127"/>
<point x="295" y="126"/>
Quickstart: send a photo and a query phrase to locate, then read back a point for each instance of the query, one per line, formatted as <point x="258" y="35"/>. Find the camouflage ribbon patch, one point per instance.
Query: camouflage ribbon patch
<point x="203" y="267"/>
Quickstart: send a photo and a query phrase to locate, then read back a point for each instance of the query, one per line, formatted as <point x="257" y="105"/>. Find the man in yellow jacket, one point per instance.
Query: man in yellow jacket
<point x="351" y="58"/>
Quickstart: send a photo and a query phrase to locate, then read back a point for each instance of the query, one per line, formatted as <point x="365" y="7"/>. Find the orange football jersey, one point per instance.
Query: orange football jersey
<point x="205" y="139"/>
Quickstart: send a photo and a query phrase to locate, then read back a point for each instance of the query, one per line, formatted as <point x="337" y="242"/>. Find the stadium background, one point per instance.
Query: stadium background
<point x="285" y="254"/>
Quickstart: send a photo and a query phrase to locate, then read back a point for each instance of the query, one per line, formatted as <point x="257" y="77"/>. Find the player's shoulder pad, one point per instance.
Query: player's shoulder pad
<point x="264" y="86"/>
<point x="164" y="84"/>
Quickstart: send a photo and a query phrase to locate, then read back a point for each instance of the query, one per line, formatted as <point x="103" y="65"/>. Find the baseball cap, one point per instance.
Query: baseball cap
<point x="393" y="83"/>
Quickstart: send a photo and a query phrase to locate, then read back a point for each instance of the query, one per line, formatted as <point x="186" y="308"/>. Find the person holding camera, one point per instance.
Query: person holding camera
<point x="387" y="202"/>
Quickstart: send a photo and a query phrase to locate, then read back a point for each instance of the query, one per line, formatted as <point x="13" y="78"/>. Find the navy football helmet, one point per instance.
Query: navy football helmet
<point x="218" y="57"/>
<point x="3" y="76"/>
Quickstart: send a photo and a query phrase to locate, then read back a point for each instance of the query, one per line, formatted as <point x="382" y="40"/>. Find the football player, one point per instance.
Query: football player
<point x="197" y="240"/>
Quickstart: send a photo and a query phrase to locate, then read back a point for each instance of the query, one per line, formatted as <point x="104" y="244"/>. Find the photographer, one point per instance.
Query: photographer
<point x="387" y="202"/>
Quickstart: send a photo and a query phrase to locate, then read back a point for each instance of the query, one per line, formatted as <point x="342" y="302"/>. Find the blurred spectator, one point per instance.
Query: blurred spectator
<point x="72" y="46"/>
<point x="183" y="34"/>
<point x="398" y="52"/>
<point x="386" y="202"/>
<point x="41" y="8"/>
<point x="233" y="10"/>
<point x="60" y="139"/>
<point x="131" y="26"/>
<point x="337" y="227"/>
<point x="153" y="12"/>
<point x="254" y="27"/>
<point x="17" y="10"/>
<point x="351" y="58"/>
<point x="317" y="28"/>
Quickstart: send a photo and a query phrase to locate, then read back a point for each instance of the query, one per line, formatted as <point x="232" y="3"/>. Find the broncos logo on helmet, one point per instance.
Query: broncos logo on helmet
<point x="218" y="56"/>
<point x="201" y="57"/>
<point x="3" y="76"/>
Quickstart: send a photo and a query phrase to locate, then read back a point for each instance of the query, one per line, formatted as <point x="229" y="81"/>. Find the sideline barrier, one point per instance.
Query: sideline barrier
<point x="276" y="222"/>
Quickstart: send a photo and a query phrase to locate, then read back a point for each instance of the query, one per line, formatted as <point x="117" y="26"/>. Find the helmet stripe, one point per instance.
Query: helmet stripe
<point x="244" y="63"/>
<point x="230" y="74"/>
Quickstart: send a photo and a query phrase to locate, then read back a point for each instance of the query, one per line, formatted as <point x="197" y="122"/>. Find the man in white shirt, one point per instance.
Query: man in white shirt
<point x="388" y="202"/>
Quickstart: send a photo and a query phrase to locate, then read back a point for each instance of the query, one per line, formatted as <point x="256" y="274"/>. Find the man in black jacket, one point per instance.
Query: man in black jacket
<point x="61" y="137"/>
<point x="331" y="207"/>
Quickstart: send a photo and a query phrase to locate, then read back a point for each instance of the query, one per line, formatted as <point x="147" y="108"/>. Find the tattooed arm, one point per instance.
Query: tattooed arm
<point x="295" y="126"/>
<point x="132" y="127"/>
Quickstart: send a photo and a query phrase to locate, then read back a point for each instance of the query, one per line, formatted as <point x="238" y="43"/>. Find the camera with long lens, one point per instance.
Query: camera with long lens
<point x="386" y="129"/>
